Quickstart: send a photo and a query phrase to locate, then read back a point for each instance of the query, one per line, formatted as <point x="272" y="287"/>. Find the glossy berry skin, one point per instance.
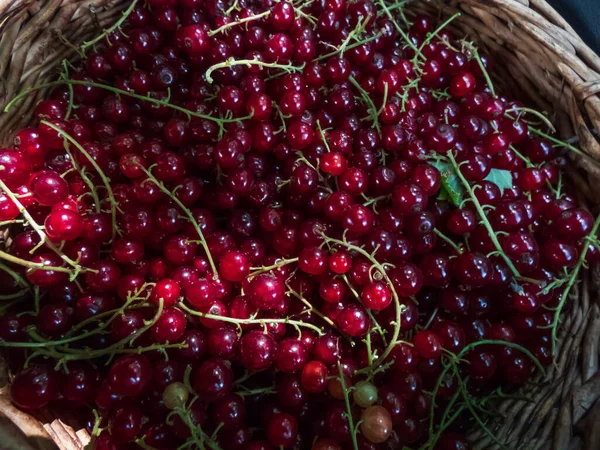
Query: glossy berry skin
<point x="234" y="266"/>
<point x="312" y="261"/>
<point x="105" y="279"/>
<point x="266" y="291"/>
<point x="79" y="385"/>
<point x="223" y="342"/>
<point x="291" y="355"/>
<point x="282" y="430"/>
<point x="54" y="319"/>
<point x="130" y="375"/>
<point x="408" y="199"/>
<point x="376" y="424"/>
<point x="574" y="225"/>
<point x="428" y="344"/>
<point x="46" y="277"/>
<point x="407" y="279"/>
<point x="166" y="290"/>
<point x="34" y="388"/>
<point x="212" y="379"/>
<point x="559" y="254"/>
<point x="473" y="269"/>
<point x="49" y="188"/>
<point x="257" y="351"/>
<point x="193" y="40"/>
<point x="17" y="167"/>
<point x="353" y="320"/>
<point x="462" y="84"/>
<point x="314" y="376"/>
<point x="170" y="326"/>
<point x="125" y="424"/>
<point x="230" y="411"/>
<point x="376" y="296"/>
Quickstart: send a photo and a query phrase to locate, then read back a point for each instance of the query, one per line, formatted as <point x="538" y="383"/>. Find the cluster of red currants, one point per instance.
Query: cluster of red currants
<point x="266" y="225"/>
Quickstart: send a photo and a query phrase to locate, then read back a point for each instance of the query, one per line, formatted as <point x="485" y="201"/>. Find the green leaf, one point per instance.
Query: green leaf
<point x="452" y="189"/>
<point x="443" y="195"/>
<point x="501" y="178"/>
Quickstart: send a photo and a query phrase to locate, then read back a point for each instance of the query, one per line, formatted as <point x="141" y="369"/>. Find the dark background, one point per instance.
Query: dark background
<point x="584" y="17"/>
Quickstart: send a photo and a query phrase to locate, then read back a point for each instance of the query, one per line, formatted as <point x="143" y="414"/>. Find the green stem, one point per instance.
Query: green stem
<point x="105" y="180"/>
<point x="370" y="105"/>
<point x="257" y="391"/>
<point x="239" y="22"/>
<point x="550" y="138"/>
<point x="40" y="231"/>
<point x="248" y="63"/>
<point x="469" y="405"/>
<point x="396" y="298"/>
<point x="108" y="31"/>
<point x="348" y="47"/>
<point x="41" y="342"/>
<point x="32" y="265"/>
<point x="573" y="277"/>
<point x="86" y="180"/>
<point x="296" y="323"/>
<point x="19" y="294"/>
<point x="70" y="104"/>
<point x="145" y="98"/>
<point x="483" y="217"/>
<point x="189" y="215"/>
<point x="348" y="407"/>
<point x="448" y="241"/>
<point x="326" y="319"/>
<point x="538" y="114"/>
<point x="278" y="264"/>
<point x="399" y="28"/>
<point x="198" y="437"/>
<point x="18" y="278"/>
<point x="434" y="34"/>
<point x="486" y="75"/>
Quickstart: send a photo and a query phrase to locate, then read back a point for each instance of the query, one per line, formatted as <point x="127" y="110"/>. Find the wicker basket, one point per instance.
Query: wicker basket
<point x="540" y="58"/>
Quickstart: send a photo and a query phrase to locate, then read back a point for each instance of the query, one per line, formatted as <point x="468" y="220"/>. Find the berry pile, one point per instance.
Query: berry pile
<point x="272" y="225"/>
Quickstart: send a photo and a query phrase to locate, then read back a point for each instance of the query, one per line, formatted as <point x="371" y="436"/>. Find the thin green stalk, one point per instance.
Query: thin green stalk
<point x="249" y="63"/>
<point x="348" y="407"/>
<point x="278" y="264"/>
<point x="70" y="88"/>
<point x="469" y="405"/>
<point x="145" y="98"/>
<point x="447" y="240"/>
<point x="399" y="28"/>
<point x="105" y="180"/>
<point x="85" y="179"/>
<point x="40" y="231"/>
<point x="370" y="105"/>
<point x="326" y="319"/>
<point x="295" y="323"/>
<point x="32" y="265"/>
<point x="190" y="217"/>
<point x="109" y="30"/>
<point x="15" y="276"/>
<point x="475" y="52"/>
<point x="394" y="339"/>
<point x="483" y="217"/>
<point x="573" y="277"/>
<point x="348" y="47"/>
<point x="434" y="34"/>
<point x="550" y="138"/>
<point x="239" y="22"/>
<point x="538" y="114"/>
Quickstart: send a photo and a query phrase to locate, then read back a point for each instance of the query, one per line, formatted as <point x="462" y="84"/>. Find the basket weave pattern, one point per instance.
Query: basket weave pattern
<point x="540" y="58"/>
